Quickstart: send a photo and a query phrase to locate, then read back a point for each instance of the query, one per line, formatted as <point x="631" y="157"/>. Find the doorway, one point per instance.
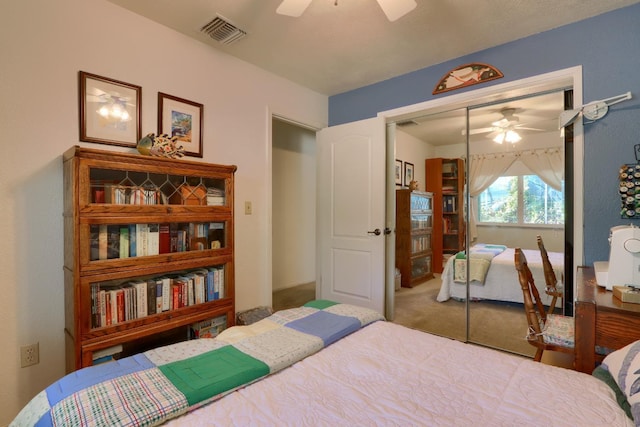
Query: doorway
<point x="293" y="214"/>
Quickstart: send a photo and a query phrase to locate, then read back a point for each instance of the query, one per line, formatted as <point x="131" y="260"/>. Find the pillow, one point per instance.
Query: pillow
<point x="624" y="367"/>
<point x="605" y="376"/>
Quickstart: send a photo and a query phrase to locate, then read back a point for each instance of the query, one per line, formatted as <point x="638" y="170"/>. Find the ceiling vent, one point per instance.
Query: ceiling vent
<point x="223" y="31"/>
<point x="407" y="123"/>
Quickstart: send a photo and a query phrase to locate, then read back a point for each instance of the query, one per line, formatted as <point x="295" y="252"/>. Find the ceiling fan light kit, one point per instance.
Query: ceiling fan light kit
<point x="393" y="9"/>
<point x="507" y="135"/>
<point x="592" y="111"/>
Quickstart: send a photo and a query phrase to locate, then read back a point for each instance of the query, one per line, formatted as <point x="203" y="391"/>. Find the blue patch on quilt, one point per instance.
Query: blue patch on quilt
<point x="45" y="421"/>
<point x="86" y="377"/>
<point x="327" y="326"/>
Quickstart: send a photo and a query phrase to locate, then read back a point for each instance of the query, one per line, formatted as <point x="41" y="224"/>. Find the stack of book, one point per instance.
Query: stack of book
<point x="215" y="197"/>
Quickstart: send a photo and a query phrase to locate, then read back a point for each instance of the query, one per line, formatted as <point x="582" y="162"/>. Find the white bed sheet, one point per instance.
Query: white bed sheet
<point x="501" y="282"/>
<point x="390" y="375"/>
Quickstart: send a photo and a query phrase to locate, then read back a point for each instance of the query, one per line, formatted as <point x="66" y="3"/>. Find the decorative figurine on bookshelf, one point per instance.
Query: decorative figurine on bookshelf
<point x="161" y="145"/>
<point x="413" y="185"/>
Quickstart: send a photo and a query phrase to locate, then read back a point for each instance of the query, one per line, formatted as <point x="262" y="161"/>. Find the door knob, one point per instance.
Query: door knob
<point x="387" y="230"/>
<point x="377" y="232"/>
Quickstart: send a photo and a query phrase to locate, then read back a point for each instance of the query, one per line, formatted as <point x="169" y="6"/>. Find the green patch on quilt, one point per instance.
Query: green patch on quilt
<point x="320" y="304"/>
<point x="212" y="373"/>
<point x="604" y="375"/>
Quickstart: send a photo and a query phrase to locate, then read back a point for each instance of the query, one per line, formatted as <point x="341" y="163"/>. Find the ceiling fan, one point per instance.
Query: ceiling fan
<point x="394" y="9"/>
<point x="504" y="129"/>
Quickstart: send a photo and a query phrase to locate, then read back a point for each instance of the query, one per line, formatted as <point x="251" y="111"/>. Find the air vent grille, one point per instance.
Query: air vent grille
<point x="223" y="31"/>
<point x="407" y="123"/>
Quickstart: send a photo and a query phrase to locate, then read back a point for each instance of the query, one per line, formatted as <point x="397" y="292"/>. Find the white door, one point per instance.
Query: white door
<point x="350" y="208"/>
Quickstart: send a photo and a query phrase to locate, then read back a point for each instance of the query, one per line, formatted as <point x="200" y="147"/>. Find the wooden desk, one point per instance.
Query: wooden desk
<point x="601" y="320"/>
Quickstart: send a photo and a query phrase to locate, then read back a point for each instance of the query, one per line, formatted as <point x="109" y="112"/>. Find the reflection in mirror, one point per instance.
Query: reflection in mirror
<point x="516" y="193"/>
<point x="424" y="141"/>
<point x="513" y="172"/>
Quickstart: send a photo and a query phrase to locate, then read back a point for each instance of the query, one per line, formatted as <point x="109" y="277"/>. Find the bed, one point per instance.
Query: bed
<point x="361" y="370"/>
<point x="501" y="280"/>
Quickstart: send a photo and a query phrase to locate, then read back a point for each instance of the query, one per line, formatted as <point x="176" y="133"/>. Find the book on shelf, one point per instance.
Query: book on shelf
<point x="141" y="304"/>
<point x="151" y="300"/>
<point x="124" y="241"/>
<point x="141" y="239"/>
<point x="106" y="354"/>
<point x="159" y="297"/>
<point x="94" y="245"/>
<point x="132" y="240"/>
<point x="215" y="197"/>
<point x="166" y="292"/>
<point x="209" y="328"/>
<point x="153" y="239"/>
<point x="103" y="241"/>
<point x="164" y="239"/>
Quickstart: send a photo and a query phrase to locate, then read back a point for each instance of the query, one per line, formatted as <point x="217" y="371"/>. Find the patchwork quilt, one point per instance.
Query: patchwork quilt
<point x="480" y="257"/>
<point x="152" y="387"/>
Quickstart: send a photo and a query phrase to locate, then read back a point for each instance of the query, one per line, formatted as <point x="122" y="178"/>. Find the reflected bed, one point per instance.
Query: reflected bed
<point x="501" y="281"/>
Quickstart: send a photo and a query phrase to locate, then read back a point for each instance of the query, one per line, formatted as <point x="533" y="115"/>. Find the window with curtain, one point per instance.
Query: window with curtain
<point x="507" y="198"/>
<point x="520" y="200"/>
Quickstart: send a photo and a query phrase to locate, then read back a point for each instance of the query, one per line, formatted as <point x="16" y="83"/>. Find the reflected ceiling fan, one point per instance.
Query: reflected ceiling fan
<point x="506" y="129"/>
<point x="394" y="9"/>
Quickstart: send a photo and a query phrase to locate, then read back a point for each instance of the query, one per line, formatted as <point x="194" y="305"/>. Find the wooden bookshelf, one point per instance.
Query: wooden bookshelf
<point x="445" y="179"/>
<point x="414" y="221"/>
<point x="132" y="219"/>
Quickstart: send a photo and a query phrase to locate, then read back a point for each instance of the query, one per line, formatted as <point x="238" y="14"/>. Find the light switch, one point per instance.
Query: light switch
<point x="247" y="208"/>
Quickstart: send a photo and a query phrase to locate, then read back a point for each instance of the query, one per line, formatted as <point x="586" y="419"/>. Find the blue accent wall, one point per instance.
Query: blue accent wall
<point x="608" y="48"/>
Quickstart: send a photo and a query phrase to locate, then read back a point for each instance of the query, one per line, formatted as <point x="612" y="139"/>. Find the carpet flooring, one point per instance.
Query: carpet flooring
<point x="492" y="324"/>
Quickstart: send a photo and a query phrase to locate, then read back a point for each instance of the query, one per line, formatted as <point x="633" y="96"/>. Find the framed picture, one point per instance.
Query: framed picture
<point x="181" y="118"/>
<point x="398" y="172"/>
<point x="408" y="173"/>
<point x="109" y="110"/>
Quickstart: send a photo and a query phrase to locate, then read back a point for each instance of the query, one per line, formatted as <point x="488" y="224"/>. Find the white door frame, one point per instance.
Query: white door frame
<point x="566" y="78"/>
<point x="297" y="121"/>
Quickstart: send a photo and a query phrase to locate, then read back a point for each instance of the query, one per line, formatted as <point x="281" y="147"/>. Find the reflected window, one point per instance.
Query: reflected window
<point x="520" y="200"/>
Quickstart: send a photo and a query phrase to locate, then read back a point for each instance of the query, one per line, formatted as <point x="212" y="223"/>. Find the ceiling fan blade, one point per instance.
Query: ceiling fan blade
<point x="477" y="131"/>
<point x="293" y="8"/>
<point x="395" y="9"/>
<point x="526" y="128"/>
<point x="494" y="134"/>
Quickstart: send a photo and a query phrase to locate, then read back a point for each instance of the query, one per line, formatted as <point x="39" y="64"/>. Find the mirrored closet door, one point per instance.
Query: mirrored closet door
<point x="497" y="173"/>
<point x="516" y="193"/>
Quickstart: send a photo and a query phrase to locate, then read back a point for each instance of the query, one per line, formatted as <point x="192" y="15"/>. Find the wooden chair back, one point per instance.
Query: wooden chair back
<point x="550" y="278"/>
<point x="534" y="309"/>
<point x="533" y="306"/>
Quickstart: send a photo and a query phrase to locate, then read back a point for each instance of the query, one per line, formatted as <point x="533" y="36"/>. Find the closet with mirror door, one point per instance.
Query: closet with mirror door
<point x="513" y="157"/>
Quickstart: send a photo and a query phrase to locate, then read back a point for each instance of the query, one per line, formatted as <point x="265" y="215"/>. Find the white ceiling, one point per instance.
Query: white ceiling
<point x="336" y="48"/>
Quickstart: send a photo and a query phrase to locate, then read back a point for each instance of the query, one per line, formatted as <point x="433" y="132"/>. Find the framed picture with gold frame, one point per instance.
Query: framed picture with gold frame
<point x="109" y="110"/>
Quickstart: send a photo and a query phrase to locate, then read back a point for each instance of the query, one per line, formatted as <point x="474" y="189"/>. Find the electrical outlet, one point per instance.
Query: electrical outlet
<point x="247" y="208"/>
<point x="29" y="355"/>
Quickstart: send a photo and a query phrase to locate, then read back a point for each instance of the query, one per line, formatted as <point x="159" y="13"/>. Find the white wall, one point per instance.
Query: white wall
<point x="294" y="205"/>
<point x="43" y="45"/>
<point x="413" y="150"/>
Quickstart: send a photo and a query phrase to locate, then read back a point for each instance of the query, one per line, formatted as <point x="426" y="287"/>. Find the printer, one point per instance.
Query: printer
<point x="623" y="267"/>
